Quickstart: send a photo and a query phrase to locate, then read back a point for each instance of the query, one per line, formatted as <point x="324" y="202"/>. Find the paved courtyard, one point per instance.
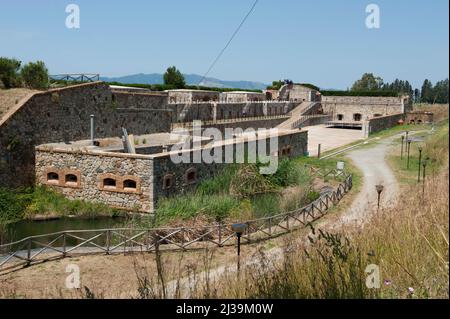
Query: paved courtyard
<point x="330" y="138"/>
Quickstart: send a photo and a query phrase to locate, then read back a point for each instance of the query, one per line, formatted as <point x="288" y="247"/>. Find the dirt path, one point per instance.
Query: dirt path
<point x="371" y="162"/>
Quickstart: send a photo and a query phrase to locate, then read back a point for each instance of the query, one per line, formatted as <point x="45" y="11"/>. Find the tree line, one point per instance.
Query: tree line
<point x="428" y="93"/>
<point x="33" y="75"/>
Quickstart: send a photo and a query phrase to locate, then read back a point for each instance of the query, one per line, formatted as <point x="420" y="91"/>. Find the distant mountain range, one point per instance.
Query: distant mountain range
<point x="191" y="79"/>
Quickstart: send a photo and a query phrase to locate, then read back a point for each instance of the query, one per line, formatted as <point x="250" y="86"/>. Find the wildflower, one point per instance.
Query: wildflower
<point x="387" y="282"/>
<point x="411" y="290"/>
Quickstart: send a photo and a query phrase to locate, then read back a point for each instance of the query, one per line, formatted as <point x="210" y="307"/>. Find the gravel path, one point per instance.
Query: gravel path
<point x="371" y="162"/>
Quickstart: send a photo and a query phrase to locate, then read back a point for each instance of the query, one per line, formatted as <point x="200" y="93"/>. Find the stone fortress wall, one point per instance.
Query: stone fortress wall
<point x="136" y="182"/>
<point x="346" y="108"/>
<point x="64" y="115"/>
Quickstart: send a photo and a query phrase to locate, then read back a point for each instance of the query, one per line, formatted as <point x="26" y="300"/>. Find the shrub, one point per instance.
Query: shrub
<point x="288" y="173"/>
<point x="249" y="182"/>
<point x="9" y="72"/>
<point x="35" y="75"/>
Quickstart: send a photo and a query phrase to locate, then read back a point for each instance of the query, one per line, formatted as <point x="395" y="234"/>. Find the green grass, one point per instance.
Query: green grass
<point x="433" y="146"/>
<point x="240" y="192"/>
<point x="19" y="204"/>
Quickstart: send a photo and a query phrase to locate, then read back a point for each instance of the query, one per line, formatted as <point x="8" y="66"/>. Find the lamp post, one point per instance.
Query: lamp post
<point x="379" y="189"/>
<point x="401" y="154"/>
<point x="424" y="164"/>
<point x="408" y="148"/>
<point x="420" y="163"/>
<point x="239" y="229"/>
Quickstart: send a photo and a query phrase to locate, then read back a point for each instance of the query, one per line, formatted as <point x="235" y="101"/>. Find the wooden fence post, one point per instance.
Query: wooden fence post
<point x="64" y="245"/>
<point x="29" y="252"/>
<point x="108" y="241"/>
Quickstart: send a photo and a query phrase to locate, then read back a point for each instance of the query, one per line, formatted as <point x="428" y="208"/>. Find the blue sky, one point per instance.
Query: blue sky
<point x="324" y="42"/>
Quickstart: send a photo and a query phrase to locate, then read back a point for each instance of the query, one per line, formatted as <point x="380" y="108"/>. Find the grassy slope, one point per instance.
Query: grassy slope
<point x="213" y="200"/>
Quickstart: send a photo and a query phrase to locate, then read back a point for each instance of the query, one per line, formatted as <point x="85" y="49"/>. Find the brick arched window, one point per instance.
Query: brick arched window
<point x="129" y="184"/>
<point x="71" y="178"/>
<point x="53" y="177"/>
<point x="109" y="183"/>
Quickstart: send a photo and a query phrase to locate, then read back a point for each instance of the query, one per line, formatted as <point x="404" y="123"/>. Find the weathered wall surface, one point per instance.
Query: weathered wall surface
<point x="91" y="170"/>
<point x="132" y="100"/>
<point x="368" y="107"/>
<point x="242" y="97"/>
<point x="63" y="115"/>
<point x="220" y="111"/>
<point x="381" y="123"/>
<point x="189" y="96"/>
<point x="419" y="117"/>
<point x="255" y="124"/>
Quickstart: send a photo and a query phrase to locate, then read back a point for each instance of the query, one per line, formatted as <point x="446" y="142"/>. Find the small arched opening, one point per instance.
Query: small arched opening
<point x="71" y="179"/>
<point x="129" y="185"/>
<point x="109" y="183"/>
<point x="53" y="177"/>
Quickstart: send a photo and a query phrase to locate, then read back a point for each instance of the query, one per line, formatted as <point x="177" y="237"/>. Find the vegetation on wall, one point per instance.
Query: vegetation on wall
<point x="240" y="192"/>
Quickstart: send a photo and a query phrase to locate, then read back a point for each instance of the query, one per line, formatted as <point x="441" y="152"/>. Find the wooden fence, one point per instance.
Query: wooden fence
<point x="62" y="244"/>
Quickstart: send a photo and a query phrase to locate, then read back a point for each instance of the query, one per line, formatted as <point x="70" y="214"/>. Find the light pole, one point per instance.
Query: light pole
<point x="420" y="163"/>
<point x="401" y="154"/>
<point x="409" y="148"/>
<point x="239" y="229"/>
<point x="424" y="164"/>
<point x="379" y="189"/>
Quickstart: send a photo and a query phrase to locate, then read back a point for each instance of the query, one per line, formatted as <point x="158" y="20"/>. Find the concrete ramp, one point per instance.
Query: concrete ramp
<point x="297" y="114"/>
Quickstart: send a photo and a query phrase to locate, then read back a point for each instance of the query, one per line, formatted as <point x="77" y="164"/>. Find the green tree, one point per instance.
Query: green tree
<point x="35" y="75"/>
<point x="9" y="72"/>
<point x="368" y="82"/>
<point x="427" y="92"/>
<point x="173" y="77"/>
<point x="440" y="92"/>
<point x="416" y="96"/>
<point x="276" y="85"/>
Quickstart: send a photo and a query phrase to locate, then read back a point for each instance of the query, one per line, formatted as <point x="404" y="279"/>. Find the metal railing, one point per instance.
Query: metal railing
<point x="62" y="244"/>
<point x="232" y="120"/>
<point x="84" y="77"/>
<point x="323" y="118"/>
<point x="189" y="101"/>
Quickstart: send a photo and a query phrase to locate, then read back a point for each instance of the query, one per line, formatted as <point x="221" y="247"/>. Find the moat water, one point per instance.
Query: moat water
<point x="27" y="228"/>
